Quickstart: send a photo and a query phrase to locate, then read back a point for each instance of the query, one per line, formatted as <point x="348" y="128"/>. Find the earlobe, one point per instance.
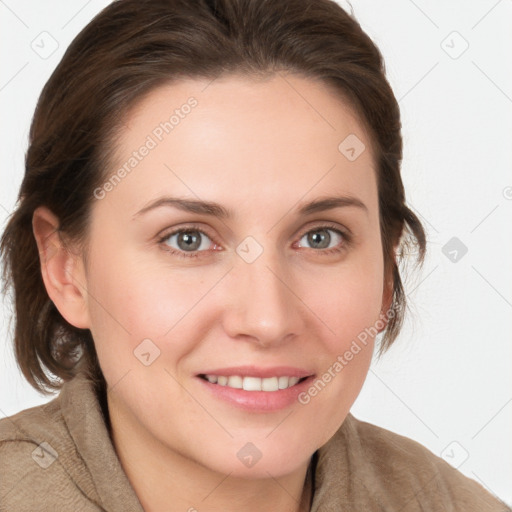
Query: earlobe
<point x="62" y="270"/>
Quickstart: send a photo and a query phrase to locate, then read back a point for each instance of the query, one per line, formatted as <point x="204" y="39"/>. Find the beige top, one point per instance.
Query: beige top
<point x="59" y="457"/>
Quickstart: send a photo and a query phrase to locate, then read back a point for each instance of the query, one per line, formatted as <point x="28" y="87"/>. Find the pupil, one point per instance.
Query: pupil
<point x="191" y="241"/>
<point x="316" y="238"/>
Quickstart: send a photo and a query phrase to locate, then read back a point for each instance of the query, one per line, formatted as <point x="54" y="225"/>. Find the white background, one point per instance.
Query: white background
<point x="447" y="380"/>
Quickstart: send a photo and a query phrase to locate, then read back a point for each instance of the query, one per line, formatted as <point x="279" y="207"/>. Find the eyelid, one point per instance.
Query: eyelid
<point x="327" y="224"/>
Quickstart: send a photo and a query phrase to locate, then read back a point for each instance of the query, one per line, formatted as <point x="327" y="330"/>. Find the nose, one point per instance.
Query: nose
<point x="264" y="303"/>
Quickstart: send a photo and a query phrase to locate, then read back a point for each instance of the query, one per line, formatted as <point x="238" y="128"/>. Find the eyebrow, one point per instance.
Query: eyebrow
<point x="216" y="210"/>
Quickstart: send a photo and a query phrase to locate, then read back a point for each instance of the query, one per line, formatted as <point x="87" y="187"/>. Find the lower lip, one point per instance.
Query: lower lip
<point x="258" y="401"/>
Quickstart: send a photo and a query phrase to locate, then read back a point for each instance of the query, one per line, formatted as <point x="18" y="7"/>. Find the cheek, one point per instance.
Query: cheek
<point x="349" y="309"/>
<point x="348" y="306"/>
<point x="141" y="295"/>
<point x="349" y="301"/>
<point x="130" y="301"/>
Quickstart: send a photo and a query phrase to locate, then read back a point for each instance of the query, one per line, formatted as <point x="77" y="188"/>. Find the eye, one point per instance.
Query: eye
<point x="320" y="238"/>
<point x="189" y="242"/>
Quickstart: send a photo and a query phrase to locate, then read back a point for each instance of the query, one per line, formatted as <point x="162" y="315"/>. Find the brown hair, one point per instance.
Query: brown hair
<point x="126" y="51"/>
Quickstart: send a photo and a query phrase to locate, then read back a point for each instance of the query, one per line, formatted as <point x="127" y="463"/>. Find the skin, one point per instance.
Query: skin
<point x="261" y="148"/>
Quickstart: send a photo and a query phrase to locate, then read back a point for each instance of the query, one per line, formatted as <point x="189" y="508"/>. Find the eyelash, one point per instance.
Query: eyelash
<point x="182" y="254"/>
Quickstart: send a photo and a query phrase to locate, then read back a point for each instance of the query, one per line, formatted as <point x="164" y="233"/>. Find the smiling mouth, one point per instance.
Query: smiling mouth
<point x="248" y="383"/>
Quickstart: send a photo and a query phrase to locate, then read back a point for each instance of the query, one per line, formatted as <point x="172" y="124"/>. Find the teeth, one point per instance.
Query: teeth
<point x="293" y="381"/>
<point x="253" y="383"/>
<point x="271" y="384"/>
<point x="235" y="381"/>
<point x="283" y="382"/>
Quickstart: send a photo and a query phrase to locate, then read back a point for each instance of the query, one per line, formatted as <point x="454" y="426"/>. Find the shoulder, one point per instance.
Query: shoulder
<point x="396" y="465"/>
<point x="36" y="452"/>
<point x="29" y="422"/>
<point x="26" y="437"/>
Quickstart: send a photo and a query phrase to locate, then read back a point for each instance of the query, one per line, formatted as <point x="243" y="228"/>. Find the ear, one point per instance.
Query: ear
<point x="62" y="271"/>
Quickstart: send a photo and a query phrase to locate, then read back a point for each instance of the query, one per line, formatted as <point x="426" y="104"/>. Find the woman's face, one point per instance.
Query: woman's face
<point x="272" y="289"/>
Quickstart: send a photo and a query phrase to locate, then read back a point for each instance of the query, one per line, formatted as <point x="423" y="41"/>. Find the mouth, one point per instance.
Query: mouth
<point x="256" y="389"/>
<point x="252" y="383"/>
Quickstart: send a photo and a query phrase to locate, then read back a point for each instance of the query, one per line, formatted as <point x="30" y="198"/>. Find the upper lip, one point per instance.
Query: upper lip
<point x="255" y="371"/>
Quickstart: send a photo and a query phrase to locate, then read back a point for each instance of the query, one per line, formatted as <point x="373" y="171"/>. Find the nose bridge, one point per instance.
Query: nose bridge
<point x="265" y="307"/>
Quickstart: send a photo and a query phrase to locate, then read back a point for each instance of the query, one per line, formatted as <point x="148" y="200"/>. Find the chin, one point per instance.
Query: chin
<point x="248" y="460"/>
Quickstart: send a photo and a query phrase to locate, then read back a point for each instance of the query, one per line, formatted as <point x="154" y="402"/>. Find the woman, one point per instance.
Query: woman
<point x="206" y="246"/>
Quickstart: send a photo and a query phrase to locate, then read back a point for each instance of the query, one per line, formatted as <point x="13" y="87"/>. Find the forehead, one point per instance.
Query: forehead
<point x="236" y="138"/>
